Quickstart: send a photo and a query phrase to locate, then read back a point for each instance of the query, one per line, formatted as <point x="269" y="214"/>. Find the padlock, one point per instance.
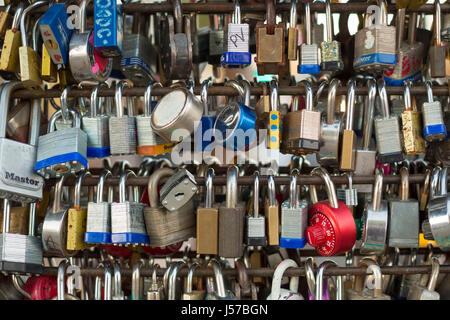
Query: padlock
<point x="107" y="283"/>
<point x="350" y="195"/>
<point x="200" y="42"/>
<point x="302" y="128"/>
<point x="278" y="293"/>
<point x="433" y="123"/>
<point x="404" y="217"/>
<point x="375" y="220"/>
<point x="309" y="51"/>
<point x="41" y="287"/>
<point x="271" y="213"/>
<point x="156" y="290"/>
<point x="330" y="49"/>
<point x="420" y="292"/>
<point x="375" y="44"/>
<point x="149" y="143"/>
<point x="18" y="181"/>
<point x="108" y="28"/>
<point x="244" y="288"/>
<point x="348" y="151"/>
<point x="30" y="71"/>
<point x="274" y="121"/>
<point x="204" y="132"/>
<point x="20" y="252"/>
<point x="221" y="293"/>
<point x="5" y="20"/>
<point x="216" y="39"/>
<point x="375" y="290"/>
<point x="98" y="222"/>
<point x="270" y="52"/>
<point x="294" y="217"/>
<point x="387" y="130"/>
<point x="56" y="33"/>
<point x="231" y="219"/>
<point x="256" y="224"/>
<point x="237" y="53"/>
<point x="96" y="127"/>
<point x="437" y="51"/>
<point x="61" y="284"/>
<point x="178" y="190"/>
<point x="437" y="226"/>
<point x="48" y="68"/>
<point x="321" y="283"/>
<point x="177" y="115"/>
<point x="86" y="63"/>
<point x="77" y="219"/>
<point x="208" y="220"/>
<point x="163" y="227"/>
<point x="411" y="124"/>
<point x="409" y="54"/>
<point x="235" y="123"/>
<point x="9" y="59"/>
<point x="54" y="229"/>
<point x="332" y="227"/>
<point x="127" y="220"/>
<point x="176" y="46"/>
<point x="331" y="130"/>
<point x="138" y="57"/>
<point x="122" y="128"/>
<point x="63" y="151"/>
<point x="293" y="32"/>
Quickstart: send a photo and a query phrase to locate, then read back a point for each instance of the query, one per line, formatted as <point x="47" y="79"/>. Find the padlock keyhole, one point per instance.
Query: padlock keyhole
<point x="179" y="196"/>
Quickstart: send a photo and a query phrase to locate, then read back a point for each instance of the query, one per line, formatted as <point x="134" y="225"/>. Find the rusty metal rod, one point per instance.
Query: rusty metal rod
<point x="217" y="7"/>
<point x="265" y="272"/>
<point x="219" y="90"/>
<point x="280" y="180"/>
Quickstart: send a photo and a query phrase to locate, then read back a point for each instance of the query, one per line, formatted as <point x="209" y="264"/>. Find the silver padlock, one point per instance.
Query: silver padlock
<point x="18" y="181"/>
<point x="178" y="190"/>
<point x="156" y="290"/>
<point x="420" y="292"/>
<point x="122" y="128"/>
<point x="256" y="224"/>
<point x="350" y="195"/>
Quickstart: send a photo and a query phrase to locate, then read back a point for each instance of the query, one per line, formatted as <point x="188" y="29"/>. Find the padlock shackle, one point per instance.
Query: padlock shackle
<point x="329" y="21"/>
<point x="350" y="111"/>
<point x="209" y="187"/>
<point x="118" y="99"/>
<point x="35" y="35"/>
<point x="443" y="181"/>
<point x="18" y="15"/>
<point x="256" y="194"/>
<point x="6" y="215"/>
<point x="23" y="30"/>
<point x="153" y="183"/>
<point x="57" y="207"/>
<point x="435" y="266"/>
<point x="307" y="23"/>
<point x="155" y="268"/>
<point x="117" y="280"/>
<point x="273" y="95"/>
<point x="407" y="95"/>
<point x="376" y="271"/>
<point x="78" y="184"/>
<point x="62" y="267"/>
<point x="310" y="276"/>
<point x="235" y="84"/>
<point x="32" y="222"/>
<point x="148" y="98"/>
<point x="246" y="86"/>
<point x="404" y="187"/>
<point x="236" y="19"/>
<point x="218" y="277"/>
<point x="293" y="14"/>
<point x="368" y="116"/>
<point x="324" y="81"/>
<point x="242" y="276"/>
<point x="58" y="114"/>
<point x="329" y="185"/>
<point x="108" y="283"/>
<point x="434" y="184"/>
<point x="190" y="276"/>
<point x="232" y="187"/>
<point x="83" y="15"/>
<point x="122" y="186"/>
<point x="429" y="88"/>
<point x="204" y="95"/>
<point x="95" y="100"/>
<point x="360" y="279"/>
<point x="271" y="16"/>
<point x="293" y="193"/>
<point x="319" y="278"/>
<point x="101" y="182"/>
<point x="173" y="279"/>
<point x="400" y="28"/>
<point x="377" y="190"/>
<point x="271" y="190"/>
<point x="278" y="275"/>
<point x="437" y="23"/>
<point x="136" y="285"/>
<point x="381" y="84"/>
<point x="309" y="92"/>
<point x="331" y="102"/>
<point x="64" y="107"/>
<point x="412" y="28"/>
<point x="383" y="17"/>
<point x="349" y="176"/>
<point x="178" y="16"/>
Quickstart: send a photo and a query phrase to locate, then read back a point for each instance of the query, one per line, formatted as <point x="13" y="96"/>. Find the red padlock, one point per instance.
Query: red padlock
<point x="41" y="287"/>
<point x="332" y="228"/>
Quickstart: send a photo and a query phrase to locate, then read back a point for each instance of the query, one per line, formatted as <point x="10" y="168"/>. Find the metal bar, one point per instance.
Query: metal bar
<point x="220" y="7"/>
<point x="248" y="180"/>
<point x="221" y="91"/>
<point x="265" y="272"/>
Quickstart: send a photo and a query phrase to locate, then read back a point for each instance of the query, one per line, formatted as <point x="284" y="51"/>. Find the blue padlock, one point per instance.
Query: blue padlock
<point x="55" y="33"/>
<point x="309" y="51"/>
<point x="235" y="124"/>
<point x="204" y="135"/>
<point x="433" y="119"/>
<point x="108" y="27"/>
<point x="238" y="54"/>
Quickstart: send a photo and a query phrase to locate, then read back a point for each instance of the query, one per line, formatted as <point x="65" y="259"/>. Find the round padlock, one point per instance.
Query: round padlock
<point x="42" y="287"/>
<point x="332" y="228"/>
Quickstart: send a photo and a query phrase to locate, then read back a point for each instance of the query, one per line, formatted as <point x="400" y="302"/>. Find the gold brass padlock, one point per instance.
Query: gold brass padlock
<point x="18" y="220"/>
<point x="48" y="68"/>
<point x="76" y="220"/>
<point x="9" y="59"/>
<point x="5" y="21"/>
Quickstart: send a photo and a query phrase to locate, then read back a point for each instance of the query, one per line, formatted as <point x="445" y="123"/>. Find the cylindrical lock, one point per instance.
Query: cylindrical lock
<point x="332" y="227"/>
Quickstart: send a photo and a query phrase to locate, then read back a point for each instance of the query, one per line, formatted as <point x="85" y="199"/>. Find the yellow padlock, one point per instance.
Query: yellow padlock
<point x="77" y="218"/>
<point x="48" y="68"/>
<point x="9" y="59"/>
<point x="274" y="118"/>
